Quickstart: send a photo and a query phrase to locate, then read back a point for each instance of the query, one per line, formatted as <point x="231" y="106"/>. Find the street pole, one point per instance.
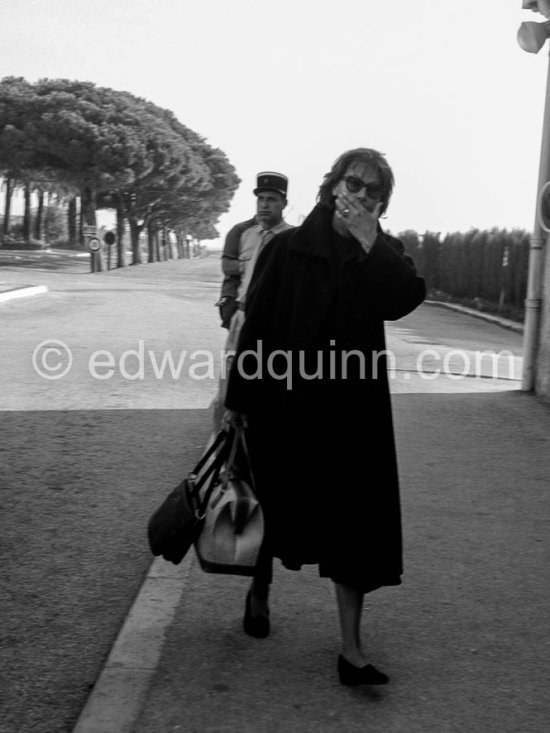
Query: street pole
<point x="536" y="260"/>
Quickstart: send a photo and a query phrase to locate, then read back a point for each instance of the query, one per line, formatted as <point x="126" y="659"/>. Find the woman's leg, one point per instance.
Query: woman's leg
<point x="350" y="607"/>
<point x="256" y="609"/>
<point x="259" y="589"/>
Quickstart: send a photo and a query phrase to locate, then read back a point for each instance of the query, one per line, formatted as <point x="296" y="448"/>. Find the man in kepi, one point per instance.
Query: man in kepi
<point x="244" y="239"/>
<point x="239" y="257"/>
<point x="232" y="270"/>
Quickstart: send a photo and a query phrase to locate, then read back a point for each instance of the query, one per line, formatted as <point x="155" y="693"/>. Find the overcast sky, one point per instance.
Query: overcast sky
<point x="441" y="87"/>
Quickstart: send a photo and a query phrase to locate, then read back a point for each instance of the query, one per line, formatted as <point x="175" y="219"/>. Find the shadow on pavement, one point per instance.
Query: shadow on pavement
<point x="77" y="489"/>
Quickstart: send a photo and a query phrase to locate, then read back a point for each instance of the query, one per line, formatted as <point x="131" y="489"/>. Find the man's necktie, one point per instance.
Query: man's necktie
<point x="265" y="236"/>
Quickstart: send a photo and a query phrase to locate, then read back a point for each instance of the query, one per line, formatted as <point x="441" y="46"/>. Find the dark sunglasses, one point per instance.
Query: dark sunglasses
<point x="354" y="185"/>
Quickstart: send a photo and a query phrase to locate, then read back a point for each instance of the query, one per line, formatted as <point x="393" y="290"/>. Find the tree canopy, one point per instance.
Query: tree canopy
<point x="111" y="146"/>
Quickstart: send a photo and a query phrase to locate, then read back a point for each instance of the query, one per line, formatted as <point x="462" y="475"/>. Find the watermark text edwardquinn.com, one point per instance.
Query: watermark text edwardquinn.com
<point x="53" y="359"/>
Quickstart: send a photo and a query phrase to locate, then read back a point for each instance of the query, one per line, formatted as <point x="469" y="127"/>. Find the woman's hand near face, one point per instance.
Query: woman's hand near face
<point x="358" y="219"/>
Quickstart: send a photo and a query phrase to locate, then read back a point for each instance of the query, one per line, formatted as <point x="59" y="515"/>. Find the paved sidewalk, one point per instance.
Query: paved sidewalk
<point x="464" y="639"/>
<point x="504" y="322"/>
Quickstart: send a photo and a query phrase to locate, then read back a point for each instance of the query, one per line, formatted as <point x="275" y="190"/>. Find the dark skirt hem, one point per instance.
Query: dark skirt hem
<point x="365" y="585"/>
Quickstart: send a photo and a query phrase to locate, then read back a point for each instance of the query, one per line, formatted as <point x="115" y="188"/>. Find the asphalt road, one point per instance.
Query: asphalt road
<point x="85" y="459"/>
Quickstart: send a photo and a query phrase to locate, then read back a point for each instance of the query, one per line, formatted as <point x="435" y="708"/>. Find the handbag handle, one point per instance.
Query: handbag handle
<point x="221" y="442"/>
<point x="239" y="437"/>
<point x="218" y="440"/>
<point x="219" y="449"/>
<point x="226" y="453"/>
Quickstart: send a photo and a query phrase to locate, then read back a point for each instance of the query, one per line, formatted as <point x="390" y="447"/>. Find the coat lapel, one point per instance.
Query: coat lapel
<point x="313" y="288"/>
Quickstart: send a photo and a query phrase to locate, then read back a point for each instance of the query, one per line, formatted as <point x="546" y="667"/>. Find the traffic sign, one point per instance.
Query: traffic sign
<point x="93" y="244"/>
<point x="109" y="238"/>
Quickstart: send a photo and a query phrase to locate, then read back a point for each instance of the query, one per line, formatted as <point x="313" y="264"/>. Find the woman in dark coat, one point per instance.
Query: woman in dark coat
<point x="309" y="380"/>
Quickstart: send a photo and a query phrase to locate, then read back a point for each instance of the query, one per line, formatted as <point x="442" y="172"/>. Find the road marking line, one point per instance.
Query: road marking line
<point x="22" y="292"/>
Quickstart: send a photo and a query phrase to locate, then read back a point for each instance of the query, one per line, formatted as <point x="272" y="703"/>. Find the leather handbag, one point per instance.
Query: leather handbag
<point x="232" y="532"/>
<point x="175" y="524"/>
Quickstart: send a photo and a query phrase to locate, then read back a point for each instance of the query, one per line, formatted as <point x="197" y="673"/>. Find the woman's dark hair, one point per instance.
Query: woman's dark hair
<point x="370" y="157"/>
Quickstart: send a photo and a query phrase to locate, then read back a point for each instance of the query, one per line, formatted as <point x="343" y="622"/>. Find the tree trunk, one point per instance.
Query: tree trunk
<point x="72" y="224"/>
<point x="88" y="218"/>
<point x="166" y="244"/>
<point x="179" y="244"/>
<point x="87" y="207"/>
<point x="7" y="205"/>
<point x="27" y="215"/>
<point x="121" y="260"/>
<point x="158" y="248"/>
<point x="39" y="218"/>
<point x="152" y="249"/>
<point x="135" y="231"/>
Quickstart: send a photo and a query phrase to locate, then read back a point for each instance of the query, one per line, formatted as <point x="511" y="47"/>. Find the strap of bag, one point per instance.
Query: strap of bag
<point x="222" y="444"/>
<point x="220" y="438"/>
<point x="227" y="444"/>
<point x="234" y="446"/>
<point x="240" y="439"/>
<point x="247" y="456"/>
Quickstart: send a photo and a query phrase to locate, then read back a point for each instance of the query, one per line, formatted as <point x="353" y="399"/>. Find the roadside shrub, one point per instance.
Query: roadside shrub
<point x="484" y="269"/>
<point x="9" y="241"/>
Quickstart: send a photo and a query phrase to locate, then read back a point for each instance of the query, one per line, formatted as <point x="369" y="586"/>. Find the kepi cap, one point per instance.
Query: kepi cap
<point x="271" y="181"/>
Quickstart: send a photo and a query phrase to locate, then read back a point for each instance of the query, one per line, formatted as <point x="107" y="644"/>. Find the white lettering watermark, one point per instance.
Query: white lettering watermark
<point x="53" y="359"/>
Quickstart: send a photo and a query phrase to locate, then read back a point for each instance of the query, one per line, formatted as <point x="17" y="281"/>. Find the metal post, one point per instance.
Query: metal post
<point x="538" y="239"/>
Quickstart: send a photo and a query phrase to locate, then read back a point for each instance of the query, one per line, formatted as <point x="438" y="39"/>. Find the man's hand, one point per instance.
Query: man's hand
<point x="227" y="307"/>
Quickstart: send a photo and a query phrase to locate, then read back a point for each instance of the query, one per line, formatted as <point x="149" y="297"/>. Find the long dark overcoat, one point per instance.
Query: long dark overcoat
<point x="310" y="374"/>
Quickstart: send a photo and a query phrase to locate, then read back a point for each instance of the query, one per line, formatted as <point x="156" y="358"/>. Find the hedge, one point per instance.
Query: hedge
<point x="487" y="269"/>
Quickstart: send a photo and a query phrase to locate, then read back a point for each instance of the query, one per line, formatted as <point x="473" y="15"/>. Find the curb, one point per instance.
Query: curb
<point x="504" y="322"/>
<point x="24" y="291"/>
<point x="119" y="693"/>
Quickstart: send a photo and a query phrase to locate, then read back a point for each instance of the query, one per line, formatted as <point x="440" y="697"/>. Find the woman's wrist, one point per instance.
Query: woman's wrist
<point x="366" y="243"/>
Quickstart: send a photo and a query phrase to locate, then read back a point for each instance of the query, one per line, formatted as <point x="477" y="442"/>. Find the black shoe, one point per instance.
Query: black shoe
<point x="257" y="626"/>
<point x="368" y="675"/>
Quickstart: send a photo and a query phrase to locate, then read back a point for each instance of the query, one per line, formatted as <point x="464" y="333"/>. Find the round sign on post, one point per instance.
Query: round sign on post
<point x="543" y="207"/>
<point x="109" y="238"/>
<point x="94" y="245"/>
